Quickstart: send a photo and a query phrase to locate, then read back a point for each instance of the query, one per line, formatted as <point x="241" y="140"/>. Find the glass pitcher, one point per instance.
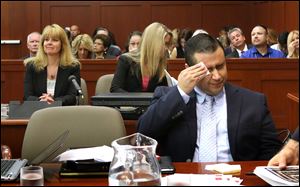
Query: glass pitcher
<point x="134" y="162"/>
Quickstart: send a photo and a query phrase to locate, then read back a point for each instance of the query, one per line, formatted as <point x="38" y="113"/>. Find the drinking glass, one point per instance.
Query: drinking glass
<point x="4" y="111"/>
<point x="31" y="176"/>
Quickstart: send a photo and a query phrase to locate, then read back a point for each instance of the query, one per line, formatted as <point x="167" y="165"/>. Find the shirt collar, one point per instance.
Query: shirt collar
<point x="245" y="49"/>
<point x="201" y="95"/>
<point x="269" y="51"/>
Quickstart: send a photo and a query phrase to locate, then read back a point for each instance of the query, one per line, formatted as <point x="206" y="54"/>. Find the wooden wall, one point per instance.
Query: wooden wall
<point x="19" y="18"/>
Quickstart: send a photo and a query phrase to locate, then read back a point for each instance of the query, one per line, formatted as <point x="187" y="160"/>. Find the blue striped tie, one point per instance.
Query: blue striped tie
<point x="208" y="132"/>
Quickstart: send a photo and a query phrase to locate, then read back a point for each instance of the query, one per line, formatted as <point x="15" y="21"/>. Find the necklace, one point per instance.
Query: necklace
<point x="52" y="77"/>
<point x="51" y="73"/>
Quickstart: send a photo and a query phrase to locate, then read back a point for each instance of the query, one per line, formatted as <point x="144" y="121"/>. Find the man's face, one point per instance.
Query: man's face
<point x="74" y="31"/>
<point x="259" y="36"/>
<point x="237" y="39"/>
<point x="33" y="43"/>
<point x="215" y="62"/>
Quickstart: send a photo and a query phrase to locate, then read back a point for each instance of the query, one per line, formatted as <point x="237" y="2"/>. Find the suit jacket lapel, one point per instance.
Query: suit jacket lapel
<point x="58" y="83"/>
<point x="44" y="81"/>
<point x="193" y="119"/>
<point x="233" y="114"/>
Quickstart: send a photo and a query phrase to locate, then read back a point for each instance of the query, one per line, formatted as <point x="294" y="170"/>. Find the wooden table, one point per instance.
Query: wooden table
<point x="52" y="178"/>
<point x="13" y="130"/>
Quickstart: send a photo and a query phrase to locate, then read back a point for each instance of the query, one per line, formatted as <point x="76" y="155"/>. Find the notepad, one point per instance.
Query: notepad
<point x="224" y="168"/>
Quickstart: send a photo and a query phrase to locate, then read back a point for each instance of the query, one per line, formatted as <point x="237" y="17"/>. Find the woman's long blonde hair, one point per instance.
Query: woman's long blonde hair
<point x="86" y="41"/>
<point x="40" y="61"/>
<point x="151" y="53"/>
<point x="290" y="39"/>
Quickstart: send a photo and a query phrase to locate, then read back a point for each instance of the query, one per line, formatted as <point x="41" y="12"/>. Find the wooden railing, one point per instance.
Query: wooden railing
<point x="273" y="77"/>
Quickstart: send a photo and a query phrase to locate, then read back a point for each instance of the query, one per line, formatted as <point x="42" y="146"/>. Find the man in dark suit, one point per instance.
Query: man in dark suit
<point x="237" y="43"/>
<point x="245" y="130"/>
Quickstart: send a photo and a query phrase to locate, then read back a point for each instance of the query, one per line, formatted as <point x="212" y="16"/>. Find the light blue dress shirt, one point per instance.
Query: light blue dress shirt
<point x="223" y="149"/>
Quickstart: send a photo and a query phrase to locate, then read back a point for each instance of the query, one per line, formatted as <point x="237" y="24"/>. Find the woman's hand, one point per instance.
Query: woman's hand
<point x="47" y="97"/>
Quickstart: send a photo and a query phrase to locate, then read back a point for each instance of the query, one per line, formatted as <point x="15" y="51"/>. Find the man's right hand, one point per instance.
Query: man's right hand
<point x="189" y="77"/>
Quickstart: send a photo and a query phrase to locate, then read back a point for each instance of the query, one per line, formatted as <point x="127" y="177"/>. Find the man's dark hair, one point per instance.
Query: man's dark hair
<point x="105" y="39"/>
<point x="201" y="43"/>
<point x="282" y="38"/>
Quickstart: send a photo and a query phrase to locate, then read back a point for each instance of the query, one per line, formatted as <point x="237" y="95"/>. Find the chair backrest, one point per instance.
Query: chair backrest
<point x="85" y="100"/>
<point x="88" y="126"/>
<point x="103" y="84"/>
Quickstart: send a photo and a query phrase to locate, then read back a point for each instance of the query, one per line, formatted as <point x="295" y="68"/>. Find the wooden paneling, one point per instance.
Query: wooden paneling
<point x="67" y="13"/>
<point x="216" y="16"/>
<point x="273" y="77"/>
<point x="291" y="15"/>
<point x="19" y="18"/>
<point x="175" y="15"/>
<point x="115" y="18"/>
<point x="277" y="16"/>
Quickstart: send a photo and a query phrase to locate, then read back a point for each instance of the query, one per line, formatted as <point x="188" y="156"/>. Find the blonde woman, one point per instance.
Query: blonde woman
<point x="46" y="76"/>
<point x="82" y="46"/>
<point x="143" y="69"/>
<point x="293" y="44"/>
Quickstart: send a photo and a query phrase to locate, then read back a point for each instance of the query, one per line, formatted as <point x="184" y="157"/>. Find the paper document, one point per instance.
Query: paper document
<point x="276" y="177"/>
<point x="102" y="154"/>
<point x="180" y="179"/>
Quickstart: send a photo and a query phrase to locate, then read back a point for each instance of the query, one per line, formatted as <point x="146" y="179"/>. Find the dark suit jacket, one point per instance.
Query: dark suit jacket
<point x="35" y="84"/>
<point x="229" y="53"/>
<point x="128" y="77"/>
<point x="251" y="131"/>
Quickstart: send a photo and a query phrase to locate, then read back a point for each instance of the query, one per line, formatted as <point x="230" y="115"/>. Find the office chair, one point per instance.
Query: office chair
<point x="88" y="126"/>
<point x="85" y="100"/>
<point x="103" y="84"/>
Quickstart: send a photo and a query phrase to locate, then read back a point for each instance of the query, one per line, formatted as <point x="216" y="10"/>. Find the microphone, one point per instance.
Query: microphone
<point x="75" y="84"/>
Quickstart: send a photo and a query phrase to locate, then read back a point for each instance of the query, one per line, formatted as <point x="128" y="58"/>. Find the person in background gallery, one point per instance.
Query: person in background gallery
<point x="133" y="41"/>
<point x="282" y="43"/>
<point x="261" y="49"/>
<point x="33" y="40"/>
<point x="237" y="43"/>
<point x="82" y="46"/>
<point x="113" y="49"/>
<point x="75" y="31"/>
<point x="272" y="36"/>
<point x="293" y="44"/>
<point x="100" y="47"/>
<point x="142" y="70"/>
<point x="169" y="43"/>
<point x="184" y="36"/>
<point x="174" y="44"/>
<point x="47" y="74"/>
